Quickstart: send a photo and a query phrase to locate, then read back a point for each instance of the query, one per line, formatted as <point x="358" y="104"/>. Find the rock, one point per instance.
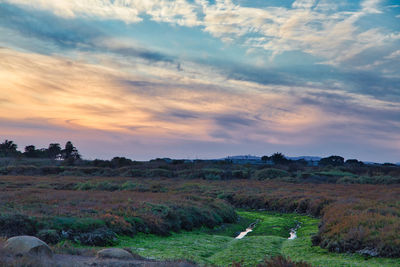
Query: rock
<point x="372" y="252"/>
<point x="115" y="253"/>
<point x="22" y="245"/>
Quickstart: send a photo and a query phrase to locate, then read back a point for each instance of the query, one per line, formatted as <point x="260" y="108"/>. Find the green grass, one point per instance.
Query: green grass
<point x="249" y="250"/>
<point x="272" y="224"/>
<point x="231" y="230"/>
<point x="218" y="246"/>
<point x="196" y="245"/>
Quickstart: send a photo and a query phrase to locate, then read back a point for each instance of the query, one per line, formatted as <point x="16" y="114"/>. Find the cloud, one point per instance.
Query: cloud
<point x="87" y="8"/>
<point x="70" y="71"/>
<point x="304" y="3"/>
<point x="371" y="6"/>
<point x="319" y="28"/>
<point x="129" y="11"/>
<point x="393" y="55"/>
<point x="76" y="34"/>
<point x="128" y="48"/>
<point x="92" y="96"/>
<point x="306" y="27"/>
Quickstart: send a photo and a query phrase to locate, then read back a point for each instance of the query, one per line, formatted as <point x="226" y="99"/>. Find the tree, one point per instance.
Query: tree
<point x="332" y="160"/>
<point x="118" y="162"/>
<point x="70" y="153"/>
<point x="353" y="163"/>
<point x="265" y="158"/>
<point x="54" y="150"/>
<point x="279" y="158"/>
<point x="8" y="148"/>
<point x="30" y="151"/>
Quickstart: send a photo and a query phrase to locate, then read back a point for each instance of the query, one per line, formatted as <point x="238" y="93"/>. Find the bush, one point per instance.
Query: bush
<point x="129" y="186"/>
<point x="271" y="173"/>
<point x="137" y="224"/>
<point x="103" y="186"/>
<point x="74" y="224"/>
<point x="160" y="173"/>
<point x="98" y="237"/>
<point x="17" y="224"/>
<point x="23" y="170"/>
<point x="348" y="180"/>
<point x="107" y="186"/>
<point x="129" y="172"/>
<point x="369" y="180"/>
<point x="360" y="226"/>
<point x="379" y="180"/>
<point x="85" y="186"/>
<point x="208" y="174"/>
<point x="72" y="173"/>
<point x="241" y="174"/>
<point x="50" y="236"/>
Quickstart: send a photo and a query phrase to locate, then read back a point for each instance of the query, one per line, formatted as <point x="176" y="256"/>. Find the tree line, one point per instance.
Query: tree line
<point x="281" y="159"/>
<point x="53" y="151"/>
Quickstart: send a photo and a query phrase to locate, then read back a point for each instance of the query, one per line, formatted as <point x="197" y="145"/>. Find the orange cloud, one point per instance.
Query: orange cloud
<point x="153" y="103"/>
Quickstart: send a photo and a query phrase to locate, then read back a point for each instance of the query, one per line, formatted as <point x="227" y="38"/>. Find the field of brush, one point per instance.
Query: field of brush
<point x="197" y="219"/>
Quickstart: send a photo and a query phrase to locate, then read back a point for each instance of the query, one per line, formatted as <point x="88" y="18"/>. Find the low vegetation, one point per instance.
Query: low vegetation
<point x="96" y="210"/>
<point x="54" y="194"/>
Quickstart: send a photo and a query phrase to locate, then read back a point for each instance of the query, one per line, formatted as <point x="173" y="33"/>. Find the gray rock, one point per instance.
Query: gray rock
<point x="22" y="245"/>
<point x="372" y="252"/>
<point x="115" y="253"/>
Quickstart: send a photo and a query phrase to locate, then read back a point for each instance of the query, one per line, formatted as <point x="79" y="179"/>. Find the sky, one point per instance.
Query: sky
<point x="202" y="79"/>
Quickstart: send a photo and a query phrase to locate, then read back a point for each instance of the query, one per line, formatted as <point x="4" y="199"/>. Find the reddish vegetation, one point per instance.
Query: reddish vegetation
<point x="353" y="217"/>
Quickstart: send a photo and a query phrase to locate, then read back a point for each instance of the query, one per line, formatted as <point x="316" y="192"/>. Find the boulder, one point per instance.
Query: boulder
<point x="115" y="253"/>
<point x="372" y="252"/>
<point x="22" y="245"/>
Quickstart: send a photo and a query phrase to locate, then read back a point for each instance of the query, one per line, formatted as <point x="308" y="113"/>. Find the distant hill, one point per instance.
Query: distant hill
<point x="256" y="158"/>
<point x="306" y="158"/>
<point x="243" y="157"/>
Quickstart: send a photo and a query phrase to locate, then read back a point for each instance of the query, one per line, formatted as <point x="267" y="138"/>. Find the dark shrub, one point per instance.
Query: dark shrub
<point x="99" y="237"/>
<point x="74" y="224"/>
<point x="23" y="170"/>
<point x="17" y="224"/>
<point x="71" y="172"/>
<point x="118" y="162"/>
<point x="271" y="173"/>
<point x="137" y="224"/>
<point x="107" y="186"/>
<point x="209" y="174"/>
<point x="49" y="236"/>
<point x="160" y="173"/>
<point x="103" y="186"/>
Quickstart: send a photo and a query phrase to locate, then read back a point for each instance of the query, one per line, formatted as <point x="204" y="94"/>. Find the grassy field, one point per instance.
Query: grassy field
<point x="56" y="208"/>
<point x="269" y="238"/>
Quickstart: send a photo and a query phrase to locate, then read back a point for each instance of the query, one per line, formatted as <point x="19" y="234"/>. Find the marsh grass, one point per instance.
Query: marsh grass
<point x="218" y="247"/>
